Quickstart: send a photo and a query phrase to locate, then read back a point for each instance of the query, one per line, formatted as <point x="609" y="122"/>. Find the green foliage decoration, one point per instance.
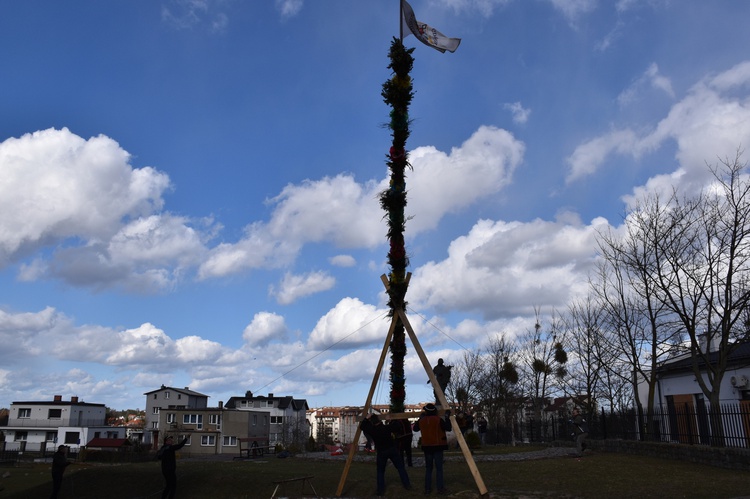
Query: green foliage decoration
<point x="397" y="92"/>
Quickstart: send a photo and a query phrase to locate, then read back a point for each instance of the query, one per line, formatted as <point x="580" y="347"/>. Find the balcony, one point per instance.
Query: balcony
<point x="55" y="423"/>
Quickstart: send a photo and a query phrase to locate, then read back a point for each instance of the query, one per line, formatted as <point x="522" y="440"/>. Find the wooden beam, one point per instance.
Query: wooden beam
<point x="441" y="397"/>
<point x="368" y="404"/>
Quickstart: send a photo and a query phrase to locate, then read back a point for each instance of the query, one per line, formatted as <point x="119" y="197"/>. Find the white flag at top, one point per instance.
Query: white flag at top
<point x="426" y="34"/>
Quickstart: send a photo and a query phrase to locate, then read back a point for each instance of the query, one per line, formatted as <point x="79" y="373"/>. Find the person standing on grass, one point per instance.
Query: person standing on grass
<point x="482" y="428"/>
<point x="580" y="430"/>
<point x="404" y="438"/>
<point x="434" y="444"/>
<point x="59" y="463"/>
<point x="385" y="446"/>
<point x="169" y="465"/>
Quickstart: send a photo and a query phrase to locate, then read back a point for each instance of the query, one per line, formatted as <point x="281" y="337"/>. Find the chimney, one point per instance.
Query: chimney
<point x="221" y="404"/>
<point x="270" y="395"/>
<point x="74" y="400"/>
<point x="248" y="394"/>
<point x="58" y="398"/>
<point x="187" y="388"/>
<point x="708" y="342"/>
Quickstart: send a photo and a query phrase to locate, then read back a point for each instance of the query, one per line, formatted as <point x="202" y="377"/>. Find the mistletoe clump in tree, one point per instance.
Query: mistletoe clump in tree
<point x="397" y="93"/>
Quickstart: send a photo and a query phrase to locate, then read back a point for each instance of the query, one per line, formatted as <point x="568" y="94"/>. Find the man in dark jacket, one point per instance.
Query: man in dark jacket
<point x="580" y="430"/>
<point x="59" y="463"/>
<point x="434" y="443"/>
<point x="169" y="465"/>
<point x="386" y="449"/>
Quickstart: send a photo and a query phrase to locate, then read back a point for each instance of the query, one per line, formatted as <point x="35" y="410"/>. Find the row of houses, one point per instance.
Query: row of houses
<point x="338" y="425"/>
<point x="40" y="426"/>
<point x="267" y="419"/>
<point x="288" y="421"/>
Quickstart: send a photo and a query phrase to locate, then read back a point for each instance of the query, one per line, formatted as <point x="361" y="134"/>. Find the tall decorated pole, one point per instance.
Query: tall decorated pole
<point x="397" y="93"/>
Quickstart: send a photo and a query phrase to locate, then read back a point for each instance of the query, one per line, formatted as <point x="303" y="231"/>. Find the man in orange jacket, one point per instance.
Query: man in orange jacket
<point x="434" y="443"/>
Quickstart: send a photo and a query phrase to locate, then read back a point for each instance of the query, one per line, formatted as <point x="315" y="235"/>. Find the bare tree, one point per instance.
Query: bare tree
<point x="496" y="386"/>
<point x="626" y="287"/>
<point x="704" y="273"/>
<point x="543" y="362"/>
<point x="592" y="357"/>
<point x="463" y="389"/>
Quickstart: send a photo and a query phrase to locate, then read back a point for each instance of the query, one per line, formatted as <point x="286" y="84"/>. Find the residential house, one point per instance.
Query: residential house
<point x="39" y="426"/>
<point x="214" y="430"/>
<point x="682" y="409"/>
<point x="288" y="421"/>
<point x="168" y="397"/>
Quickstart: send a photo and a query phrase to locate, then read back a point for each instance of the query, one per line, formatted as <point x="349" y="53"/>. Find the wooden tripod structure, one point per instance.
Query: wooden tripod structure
<point x="400" y="314"/>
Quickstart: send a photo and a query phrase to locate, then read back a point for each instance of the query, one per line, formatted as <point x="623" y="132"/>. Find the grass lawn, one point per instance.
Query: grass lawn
<point x="599" y="475"/>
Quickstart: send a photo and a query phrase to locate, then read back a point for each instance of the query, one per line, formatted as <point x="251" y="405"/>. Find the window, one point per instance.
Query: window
<point x="71" y="437"/>
<point x="166" y="395"/>
<point x="156" y="410"/>
<point x="277" y="419"/>
<point x="21" y="436"/>
<point x="54" y="414"/>
<point x="24" y="413"/>
<point x="155" y="395"/>
<point x="208" y="440"/>
<point x="255" y="420"/>
<point x="154" y="425"/>
<point x="179" y="396"/>
<point x="171" y="417"/>
<point x="196" y="419"/>
<point x="230" y="442"/>
<point x="180" y="438"/>
<point x="269" y="403"/>
<point x="50" y="436"/>
<point x="213" y="419"/>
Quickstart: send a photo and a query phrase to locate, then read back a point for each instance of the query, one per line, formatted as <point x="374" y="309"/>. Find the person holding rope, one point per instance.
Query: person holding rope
<point x="443" y="375"/>
<point x="169" y="465"/>
<point x="434" y="444"/>
<point x="386" y="449"/>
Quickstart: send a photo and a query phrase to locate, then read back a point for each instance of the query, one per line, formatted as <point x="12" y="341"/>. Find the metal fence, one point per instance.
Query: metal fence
<point x="727" y="425"/>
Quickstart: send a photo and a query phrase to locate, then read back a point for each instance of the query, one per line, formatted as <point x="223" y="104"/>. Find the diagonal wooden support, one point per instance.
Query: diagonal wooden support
<point x="368" y="403"/>
<point x="441" y="397"/>
<point x="400" y="314"/>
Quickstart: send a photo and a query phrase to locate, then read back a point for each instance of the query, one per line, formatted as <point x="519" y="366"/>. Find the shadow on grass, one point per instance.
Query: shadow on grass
<point x="594" y="476"/>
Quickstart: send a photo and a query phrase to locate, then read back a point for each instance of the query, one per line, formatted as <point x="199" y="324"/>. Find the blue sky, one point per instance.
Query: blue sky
<point x="188" y="188"/>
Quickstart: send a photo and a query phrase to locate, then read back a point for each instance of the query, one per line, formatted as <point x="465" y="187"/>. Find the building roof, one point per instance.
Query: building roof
<point x="186" y="391"/>
<point x="284" y="401"/>
<point x="739" y="356"/>
<point x="296" y="404"/>
<point x="56" y="402"/>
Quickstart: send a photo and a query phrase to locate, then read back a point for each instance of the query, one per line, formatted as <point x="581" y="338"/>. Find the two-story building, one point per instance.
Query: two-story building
<point x="214" y="430"/>
<point x="288" y="421"/>
<point x="167" y="397"/>
<point x="38" y="426"/>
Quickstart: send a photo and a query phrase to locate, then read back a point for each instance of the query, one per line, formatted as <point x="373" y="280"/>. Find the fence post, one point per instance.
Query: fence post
<point x="554" y="429"/>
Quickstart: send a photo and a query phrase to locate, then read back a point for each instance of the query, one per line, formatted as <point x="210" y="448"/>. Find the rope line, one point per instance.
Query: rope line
<point x="323" y="351"/>
<point x="438" y="329"/>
